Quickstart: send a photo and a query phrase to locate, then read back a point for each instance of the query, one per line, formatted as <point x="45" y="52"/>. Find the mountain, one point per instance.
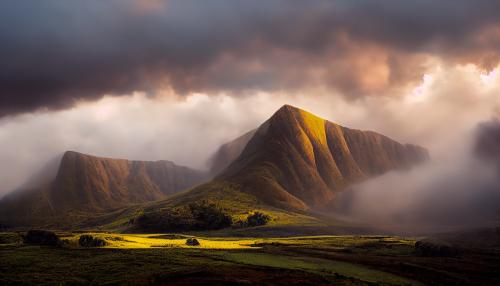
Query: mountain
<point x="293" y="166"/>
<point x="296" y="160"/>
<point x="228" y="152"/>
<point x="294" y="163"/>
<point x="87" y="183"/>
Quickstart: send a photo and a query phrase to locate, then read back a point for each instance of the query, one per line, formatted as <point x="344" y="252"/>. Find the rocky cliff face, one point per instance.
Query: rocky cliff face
<point x="102" y="183"/>
<point x="297" y="160"/>
<point x="87" y="183"/>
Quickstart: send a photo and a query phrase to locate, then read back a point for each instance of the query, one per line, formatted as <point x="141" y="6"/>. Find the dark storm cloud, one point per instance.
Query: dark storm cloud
<point x="55" y="52"/>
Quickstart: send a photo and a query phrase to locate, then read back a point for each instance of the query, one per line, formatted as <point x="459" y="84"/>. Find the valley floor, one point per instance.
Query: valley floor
<point x="139" y="259"/>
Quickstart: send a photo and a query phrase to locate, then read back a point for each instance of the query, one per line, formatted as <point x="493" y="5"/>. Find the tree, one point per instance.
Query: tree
<point x="257" y="218"/>
<point x="195" y="216"/>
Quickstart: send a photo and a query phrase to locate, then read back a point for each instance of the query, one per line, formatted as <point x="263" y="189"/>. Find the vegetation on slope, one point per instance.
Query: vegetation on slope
<point x="194" y="216"/>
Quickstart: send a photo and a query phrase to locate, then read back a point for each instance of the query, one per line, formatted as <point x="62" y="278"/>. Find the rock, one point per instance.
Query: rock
<point x="192" y="242"/>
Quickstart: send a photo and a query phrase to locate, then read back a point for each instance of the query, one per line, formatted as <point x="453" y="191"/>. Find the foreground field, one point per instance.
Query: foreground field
<point x="155" y="259"/>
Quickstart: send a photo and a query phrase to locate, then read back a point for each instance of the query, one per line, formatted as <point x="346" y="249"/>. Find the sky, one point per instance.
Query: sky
<point x="151" y="79"/>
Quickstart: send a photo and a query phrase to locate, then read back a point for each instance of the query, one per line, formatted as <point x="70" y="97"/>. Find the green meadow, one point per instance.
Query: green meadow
<point x="166" y="259"/>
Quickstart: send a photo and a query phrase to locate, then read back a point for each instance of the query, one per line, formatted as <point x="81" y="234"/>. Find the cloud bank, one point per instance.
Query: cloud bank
<point x="56" y="53"/>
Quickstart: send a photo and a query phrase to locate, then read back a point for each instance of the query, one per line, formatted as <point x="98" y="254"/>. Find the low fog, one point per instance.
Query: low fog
<point x="457" y="187"/>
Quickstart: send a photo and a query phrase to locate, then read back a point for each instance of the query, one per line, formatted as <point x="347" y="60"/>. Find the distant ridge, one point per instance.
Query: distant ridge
<point x="86" y="183"/>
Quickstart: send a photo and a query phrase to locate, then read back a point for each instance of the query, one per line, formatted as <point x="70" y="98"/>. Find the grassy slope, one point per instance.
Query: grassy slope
<point x="237" y="203"/>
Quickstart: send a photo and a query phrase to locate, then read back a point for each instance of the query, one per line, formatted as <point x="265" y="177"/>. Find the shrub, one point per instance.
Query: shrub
<point x="87" y="240"/>
<point x="42" y="237"/>
<point x="257" y="219"/>
<point x="434" y="248"/>
<point x="192" y="242"/>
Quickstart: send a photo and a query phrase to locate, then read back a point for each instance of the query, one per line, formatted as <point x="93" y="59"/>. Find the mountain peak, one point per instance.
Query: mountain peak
<point x="299" y="160"/>
<point x="288" y="109"/>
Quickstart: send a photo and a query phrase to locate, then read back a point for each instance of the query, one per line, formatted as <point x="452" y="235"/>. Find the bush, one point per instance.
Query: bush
<point x="434" y="248"/>
<point x="87" y="240"/>
<point x="257" y="219"/>
<point x="192" y="242"/>
<point x="195" y="216"/>
<point x="42" y="237"/>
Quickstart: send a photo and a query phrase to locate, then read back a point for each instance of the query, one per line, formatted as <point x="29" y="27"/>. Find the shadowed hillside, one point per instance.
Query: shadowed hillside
<point x="87" y="183"/>
<point x="228" y="152"/>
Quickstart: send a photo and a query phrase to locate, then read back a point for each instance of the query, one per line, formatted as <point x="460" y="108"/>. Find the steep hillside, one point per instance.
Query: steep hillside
<point x="87" y="183"/>
<point x="297" y="160"/>
<point x="228" y="152"/>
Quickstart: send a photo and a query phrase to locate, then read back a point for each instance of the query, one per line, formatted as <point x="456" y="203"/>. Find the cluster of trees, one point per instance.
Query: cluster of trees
<point x="254" y="219"/>
<point x="87" y="240"/>
<point x="257" y="219"/>
<point x="195" y="216"/>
